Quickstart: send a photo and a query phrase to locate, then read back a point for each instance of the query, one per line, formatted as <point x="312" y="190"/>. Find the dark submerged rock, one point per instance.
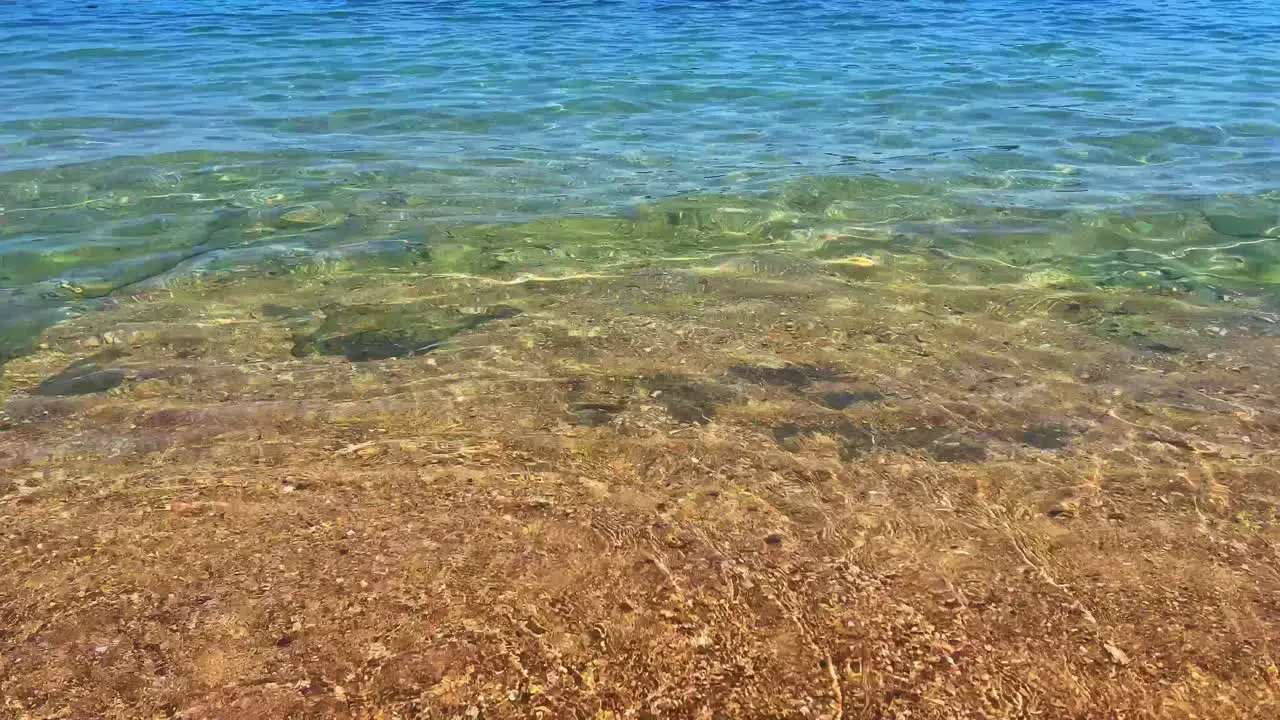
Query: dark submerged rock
<point x="594" y="414"/>
<point x="794" y="376"/>
<point x="82" y="380"/>
<point x="842" y="400"/>
<point x="362" y="333"/>
<point x="93" y="374"/>
<point x="1046" y="437"/>
<point x="1244" y="222"/>
<point x="687" y="400"/>
<point x="857" y="441"/>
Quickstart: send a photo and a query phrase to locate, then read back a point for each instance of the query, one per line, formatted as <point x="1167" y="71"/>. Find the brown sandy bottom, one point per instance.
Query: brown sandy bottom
<point x="749" y="490"/>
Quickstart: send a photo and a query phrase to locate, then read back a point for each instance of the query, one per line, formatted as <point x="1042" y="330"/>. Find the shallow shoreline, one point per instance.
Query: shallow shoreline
<point x="746" y="488"/>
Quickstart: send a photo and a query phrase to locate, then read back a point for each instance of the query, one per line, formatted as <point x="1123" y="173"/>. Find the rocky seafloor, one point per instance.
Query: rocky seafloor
<point x="741" y="483"/>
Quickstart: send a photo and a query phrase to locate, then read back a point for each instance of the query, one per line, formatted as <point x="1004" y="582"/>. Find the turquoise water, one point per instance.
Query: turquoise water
<point x="1123" y="142"/>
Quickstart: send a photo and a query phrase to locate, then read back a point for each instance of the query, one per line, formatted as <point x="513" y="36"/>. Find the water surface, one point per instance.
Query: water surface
<point x="1120" y="142"/>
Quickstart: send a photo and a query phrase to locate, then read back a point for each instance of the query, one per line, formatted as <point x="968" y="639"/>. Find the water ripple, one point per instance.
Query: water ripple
<point x="127" y="127"/>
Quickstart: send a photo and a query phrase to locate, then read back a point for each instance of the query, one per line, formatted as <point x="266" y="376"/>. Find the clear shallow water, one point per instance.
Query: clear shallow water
<point x="750" y="323"/>
<point x="1117" y="141"/>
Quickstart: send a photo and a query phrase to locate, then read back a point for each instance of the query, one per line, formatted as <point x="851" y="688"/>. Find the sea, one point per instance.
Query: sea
<point x="1111" y="144"/>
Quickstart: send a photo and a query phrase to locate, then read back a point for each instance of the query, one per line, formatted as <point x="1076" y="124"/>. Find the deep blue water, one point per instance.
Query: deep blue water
<point x="129" y="131"/>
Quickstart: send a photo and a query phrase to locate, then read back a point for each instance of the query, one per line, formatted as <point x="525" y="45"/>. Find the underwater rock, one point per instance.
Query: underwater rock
<point x="786" y="435"/>
<point x="1045" y="437"/>
<point x="274" y="310"/>
<point x="85" y="383"/>
<point x="1054" y="279"/>
<point x="1244" y="222"/>
<point x="957" y="450"/>
<point x="96" y="374"/>
<point x="375" y="344"/>
<point x="87" y="375"/>
<point x="362" y="333"/>
<point x="302" y="215"/>
<point x="82" y="378"/>
<point x="704" y="215"/>
<point x="594" y="414"/>
<point x="687" y="400"/>
<point x="857" y="441"/>
<point x="793" y="376"/>
<point x="842" y="400"/>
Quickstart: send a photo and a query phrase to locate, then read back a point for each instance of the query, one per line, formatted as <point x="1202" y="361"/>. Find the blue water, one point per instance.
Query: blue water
<point x="617" y="100"/>
<point x="131" y="131"/>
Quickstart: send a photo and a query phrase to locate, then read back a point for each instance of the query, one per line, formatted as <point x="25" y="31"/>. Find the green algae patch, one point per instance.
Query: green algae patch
<point x="859" y="229"/>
